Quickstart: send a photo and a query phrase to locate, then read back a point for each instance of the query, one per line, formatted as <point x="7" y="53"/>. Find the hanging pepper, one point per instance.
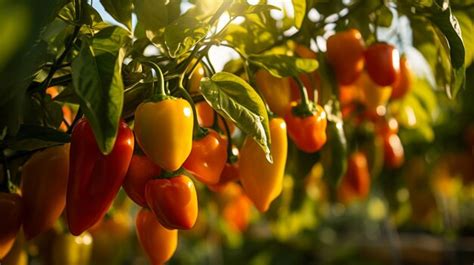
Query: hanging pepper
<point x="345" y="52"/>
<point x="208" y="157"/>
<point x="94" y="178"/>
<point x="262" y="180"/>
<point x="158" y="242"/>
<point x="404" y="80"/>
<point x="382" y="63"/>
<point x="164" y="128"/>
<point x="173" y="200"/>
<point x="140" y="171"/>
<point x="44" y="180"/>
<point x="356" y="182"/>
<point x="275" y="91"/>
<point x="334" y="153"/>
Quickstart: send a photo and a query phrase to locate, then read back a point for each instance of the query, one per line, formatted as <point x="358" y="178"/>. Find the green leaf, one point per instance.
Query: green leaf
<point x="90" y="16"/>
<point x="300" y="11"/>
<point x="184" y="33"/>
<point x="97" y="79"/>
<point x="282" y="65"/>
<point x="236" y="100"/>
<point x="153" y="16"/>
<point x="244" y="8"/>
<point x="121" y="10"/>
<point x="467" y="27"/>
<point x="449" y="26"/>
<point x="34" y="137"/>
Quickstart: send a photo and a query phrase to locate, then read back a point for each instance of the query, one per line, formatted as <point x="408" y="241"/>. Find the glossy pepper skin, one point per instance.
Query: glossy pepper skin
<point x="345" y="52"/>
<point x="276" y="91"/>
<point x="356" y="183"/>
<point x="164" y="131"/>
<point x="382" y="62"/>
<point x="44" y="184"/>
<point x="140" y="171"/>
<point x="403" y="83"/>
<point x="207" y="158"/>
<point x="261" y="180"/>
<point x="308" y="133"/>
<point x="158" y="242"/>
<point x="173" y="201"/>
<point x="10" y="222"/>
<point x="94" y="178"/>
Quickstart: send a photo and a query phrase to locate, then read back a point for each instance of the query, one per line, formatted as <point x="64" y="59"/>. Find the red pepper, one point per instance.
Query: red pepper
<point x="173" y="200"/>
<point x="94" y="178"/>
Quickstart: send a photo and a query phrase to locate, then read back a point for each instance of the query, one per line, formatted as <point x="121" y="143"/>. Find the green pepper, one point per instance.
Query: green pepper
<point x="334" y="153"/>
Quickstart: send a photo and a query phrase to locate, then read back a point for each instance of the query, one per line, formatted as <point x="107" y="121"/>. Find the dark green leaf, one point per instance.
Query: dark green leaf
<point x="235" y="99"/>
<point x="283" y="65"/>
<point x="153" y="16"/>
<point x="33" y="137"/>
<point x="121" y="10"/>
<point x="449" y="26"/>
<point x="184" y="33"/>
<point x="300" y="11"/>
<point x="98" y="83"/>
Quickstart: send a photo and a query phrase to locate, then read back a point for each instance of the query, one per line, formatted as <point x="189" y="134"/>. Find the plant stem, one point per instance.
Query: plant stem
<point x="198" y="131"/>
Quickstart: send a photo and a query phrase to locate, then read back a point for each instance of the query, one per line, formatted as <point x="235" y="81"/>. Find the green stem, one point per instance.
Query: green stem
<point x="304" y="108"/>
<point x="75" y="121"/>
<point x="57" y="64"/>
<point x="162" y="90"/>
<point x="231" y="158"/>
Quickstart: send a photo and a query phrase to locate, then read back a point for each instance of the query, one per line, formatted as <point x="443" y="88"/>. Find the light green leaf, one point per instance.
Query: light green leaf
<point x="244" y="8"/>
<point x="97" y="79"/>
<point x="300" y="11"/>
<point x="282" y="65"/>
<point x="184" y="33"/>
<point x="121" y="10"/>
<point x="236" y="100"/>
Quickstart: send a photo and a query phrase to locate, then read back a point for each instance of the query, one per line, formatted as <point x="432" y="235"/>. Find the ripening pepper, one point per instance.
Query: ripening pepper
<point x="44" y="180"/>
<point x="208" y="157"/>
<point x="164" y="131"/>
<point x="307" y="132"/>
<point x="94" y="178"/>
<point x="158" y="242"/>
<point x="173" y="200"/>
<point x="140" y="171"/>
<point x="276" y="91"/>
<point x="262" y="180"/>
<point x="345" y="52"/>
<point x="356" y="182"/>
<point x="10" y="222"/>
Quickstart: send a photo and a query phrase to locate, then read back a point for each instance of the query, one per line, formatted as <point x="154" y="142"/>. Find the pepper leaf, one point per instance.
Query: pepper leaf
<point x="33" y="137"/>
<point x="236" y="100"/>
<point x="97" y="79"/>
<point x="299" y="7"/>
<point x="184" y="33"/>
<point x="121" y="10"/>
<point x="447" y="23"/>
<point x="282" y="65"/>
